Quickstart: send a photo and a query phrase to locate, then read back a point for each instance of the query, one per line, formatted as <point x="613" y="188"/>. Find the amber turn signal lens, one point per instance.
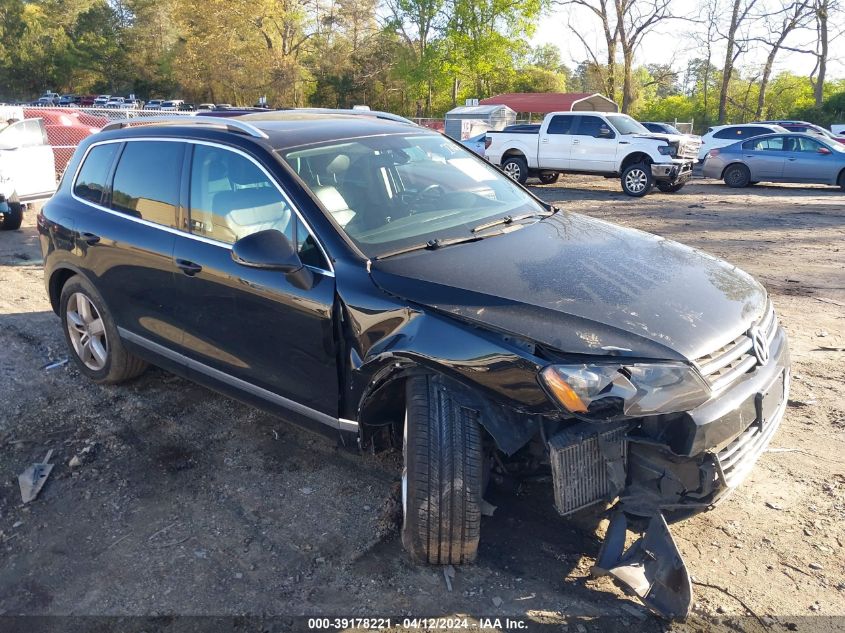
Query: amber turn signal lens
<point x="563" y="392"/>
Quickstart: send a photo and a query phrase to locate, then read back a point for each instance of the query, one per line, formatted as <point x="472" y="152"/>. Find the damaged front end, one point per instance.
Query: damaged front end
<point x="661" y="464"/>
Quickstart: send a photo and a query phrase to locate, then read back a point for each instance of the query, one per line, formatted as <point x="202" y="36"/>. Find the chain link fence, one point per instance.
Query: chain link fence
<point x="67" y="126"/>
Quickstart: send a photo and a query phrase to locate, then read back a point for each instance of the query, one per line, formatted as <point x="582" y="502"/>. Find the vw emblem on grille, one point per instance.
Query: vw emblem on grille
<point x="759" y="345"/>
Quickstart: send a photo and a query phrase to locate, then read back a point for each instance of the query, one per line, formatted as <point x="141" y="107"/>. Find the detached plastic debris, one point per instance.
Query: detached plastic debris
<point x="652" y="568"/>
<point x="32" y="480"/>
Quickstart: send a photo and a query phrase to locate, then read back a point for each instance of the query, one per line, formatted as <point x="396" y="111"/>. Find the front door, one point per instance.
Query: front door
<point x="248" y="325"/>
<point x="593" y="145"/>
<point x="808" y="160"/>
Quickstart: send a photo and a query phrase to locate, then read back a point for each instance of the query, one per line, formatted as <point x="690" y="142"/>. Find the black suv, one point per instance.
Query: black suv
<point x="381" y="281"/>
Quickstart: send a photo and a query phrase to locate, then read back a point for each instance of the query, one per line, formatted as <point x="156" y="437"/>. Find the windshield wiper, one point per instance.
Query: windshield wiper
<point x="430" y="245"/>
<point x="508" y="219"/>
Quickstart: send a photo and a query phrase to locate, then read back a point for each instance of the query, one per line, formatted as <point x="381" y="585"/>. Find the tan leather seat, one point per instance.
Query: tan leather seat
<point x="252" y="209"/>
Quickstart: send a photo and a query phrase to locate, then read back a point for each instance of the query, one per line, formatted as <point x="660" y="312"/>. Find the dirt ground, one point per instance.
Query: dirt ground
<point x="185" y="502"/>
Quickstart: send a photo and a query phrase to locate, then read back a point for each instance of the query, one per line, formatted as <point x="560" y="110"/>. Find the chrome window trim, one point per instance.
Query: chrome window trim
<point x="180" y="232"/>
<point x="340" y="424"/>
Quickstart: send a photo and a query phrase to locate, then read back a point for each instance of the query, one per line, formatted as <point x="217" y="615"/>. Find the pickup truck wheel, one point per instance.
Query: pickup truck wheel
<point x="549" y="177"/>
<point x="92" y="337"/>
<point x="442" y="475"/>
<point x="516" y="168"/>
<point x="737" y="176"/>
<point x="637" y="180"/>
<point x="12" y="221"/>
<point x="671" y="187"/>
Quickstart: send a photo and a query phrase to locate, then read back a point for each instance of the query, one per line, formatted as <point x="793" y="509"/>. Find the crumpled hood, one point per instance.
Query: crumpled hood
<point x="584" y="286"/>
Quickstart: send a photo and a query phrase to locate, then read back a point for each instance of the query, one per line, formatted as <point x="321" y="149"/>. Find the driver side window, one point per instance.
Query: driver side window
<point x="231" y="197"/>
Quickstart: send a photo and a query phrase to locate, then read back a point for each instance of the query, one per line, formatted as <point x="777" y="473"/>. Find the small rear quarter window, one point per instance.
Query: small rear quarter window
<point x="91" y="181"/>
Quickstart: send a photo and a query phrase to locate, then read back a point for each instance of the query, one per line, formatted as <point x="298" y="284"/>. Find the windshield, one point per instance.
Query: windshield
<point x="626" y="125"/>
<point x="389" y="192"/>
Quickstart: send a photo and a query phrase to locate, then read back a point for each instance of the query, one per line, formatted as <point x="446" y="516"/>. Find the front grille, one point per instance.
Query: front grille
<point x="737" y="459"/>
<point x="725" y="365"/>
<point x="587" y="466"/>
<point x="689" y="149"/>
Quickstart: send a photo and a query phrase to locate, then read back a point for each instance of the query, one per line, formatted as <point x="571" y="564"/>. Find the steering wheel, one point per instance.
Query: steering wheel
<point x="426" y="192"/>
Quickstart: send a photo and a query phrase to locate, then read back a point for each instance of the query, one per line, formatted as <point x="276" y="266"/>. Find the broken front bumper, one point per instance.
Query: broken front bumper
<point x="672" y="172"/>
<point x="688" y="462"/>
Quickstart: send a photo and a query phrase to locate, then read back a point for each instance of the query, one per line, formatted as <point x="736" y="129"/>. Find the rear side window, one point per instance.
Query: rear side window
<point x="92" y="179"/>
<point x="732" y="133"/>
<point x="561" y="125"/>
<point x="772" y="144"/>
<point x="146" y="181"/>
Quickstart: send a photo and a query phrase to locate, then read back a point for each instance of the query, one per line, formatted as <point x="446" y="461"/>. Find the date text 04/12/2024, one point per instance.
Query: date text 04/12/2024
<point x="425" y="624"/>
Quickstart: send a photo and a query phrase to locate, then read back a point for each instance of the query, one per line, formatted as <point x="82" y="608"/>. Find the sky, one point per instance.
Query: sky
<point x="673" y="42"/>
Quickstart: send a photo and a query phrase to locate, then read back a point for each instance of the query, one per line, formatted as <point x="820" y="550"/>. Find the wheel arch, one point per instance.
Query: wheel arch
<point x="736" y="162"/>
<point x="58" y="278"/>
<point x="513" y="152"/>
<point x="840" y="178"/>
<point x="633" y="158"/>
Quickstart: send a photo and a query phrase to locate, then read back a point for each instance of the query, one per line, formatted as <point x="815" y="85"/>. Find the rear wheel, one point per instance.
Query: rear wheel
<point x="92" y="336"/>
<point x="13" y="219"/>
<point x="549" y="177"/>
<point x="442" y="475"/>
<point x="637" y="180"/>
<point x="671" y="187"/>
<point x="516" y="168"/>
<point x="737" y="176"/>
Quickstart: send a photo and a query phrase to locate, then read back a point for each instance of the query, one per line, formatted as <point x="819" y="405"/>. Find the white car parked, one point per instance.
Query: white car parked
<point x="27" y="169"/>
<point x="724" y="135"/>
<point x="101" y="101"/>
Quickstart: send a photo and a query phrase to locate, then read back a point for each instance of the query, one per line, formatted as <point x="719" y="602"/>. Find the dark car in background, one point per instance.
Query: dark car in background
<point x="810" y="128"/>
<point x="660" y="128"/>
<point x="796" y="158"/>
<point x="379" y="281"/>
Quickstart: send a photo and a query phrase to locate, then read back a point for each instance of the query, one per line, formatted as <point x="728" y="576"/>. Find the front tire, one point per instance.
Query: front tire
<point x="549" y="177"/>
<point x="842" y="181"/>
<point x="92" y="336"/>
<point x="12" y="220"/>
<point x="637" y="180"/>
<point x="516" y="168"/>
<point x="442" y="475"/>
<point x="737" y="176"/>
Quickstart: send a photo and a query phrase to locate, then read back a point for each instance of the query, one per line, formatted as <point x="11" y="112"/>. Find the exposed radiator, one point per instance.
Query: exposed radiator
<point x="588" y="464"/>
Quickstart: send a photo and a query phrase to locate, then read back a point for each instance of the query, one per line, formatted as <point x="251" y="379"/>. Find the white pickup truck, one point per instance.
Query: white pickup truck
<point x="608" y="144"/>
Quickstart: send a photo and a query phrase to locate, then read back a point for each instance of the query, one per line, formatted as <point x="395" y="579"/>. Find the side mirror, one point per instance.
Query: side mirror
<point x="266" y="249"/>
<point x="271" y="250"/>
<point x="824" y="151"/>
<point x="605" y="132"/>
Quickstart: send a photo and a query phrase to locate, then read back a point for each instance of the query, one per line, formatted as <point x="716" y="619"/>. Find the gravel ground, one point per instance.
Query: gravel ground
<point x="168" y="499"/>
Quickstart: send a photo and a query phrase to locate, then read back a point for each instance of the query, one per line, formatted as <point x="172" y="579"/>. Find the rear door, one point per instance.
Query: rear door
<point x="249" y="328"/>
<point x="127" y="235"/>
<point x="556" y="143"/>
<point x="592" y="150"/>
<point x="765" y="157"/>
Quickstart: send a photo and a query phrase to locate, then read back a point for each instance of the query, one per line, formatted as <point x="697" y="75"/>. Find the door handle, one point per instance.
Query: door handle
<point x="792" y="159"/>
<point x="575" y="141"/>
<point x="187" y="267"/>
<point x="545" y="139"/>
<point x="90" y="238"/>
<point x="624" y="142"/>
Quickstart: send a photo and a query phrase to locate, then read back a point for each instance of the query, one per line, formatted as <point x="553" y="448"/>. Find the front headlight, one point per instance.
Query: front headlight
<point x="667" y="150"/>
<point x="615" y="390"/>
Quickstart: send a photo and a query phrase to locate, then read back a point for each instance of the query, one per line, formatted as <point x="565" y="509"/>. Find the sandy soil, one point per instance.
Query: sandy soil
<point x="186" y="502"/>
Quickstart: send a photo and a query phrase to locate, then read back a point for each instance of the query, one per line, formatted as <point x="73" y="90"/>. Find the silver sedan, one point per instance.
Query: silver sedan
<point x="800" y="158"/>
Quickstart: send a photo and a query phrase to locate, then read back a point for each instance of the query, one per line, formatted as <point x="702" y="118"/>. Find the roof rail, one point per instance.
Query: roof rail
<point x="230" y="124"/>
